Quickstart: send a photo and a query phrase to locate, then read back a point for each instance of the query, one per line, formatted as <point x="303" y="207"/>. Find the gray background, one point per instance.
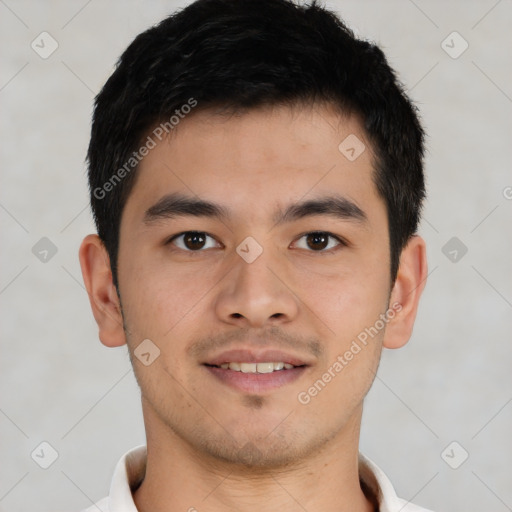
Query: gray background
<point x="450" y="383"/>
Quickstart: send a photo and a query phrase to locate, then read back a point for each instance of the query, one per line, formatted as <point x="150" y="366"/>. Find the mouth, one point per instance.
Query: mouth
<point x="256" y="372"/>
<point x="268" y="367"/>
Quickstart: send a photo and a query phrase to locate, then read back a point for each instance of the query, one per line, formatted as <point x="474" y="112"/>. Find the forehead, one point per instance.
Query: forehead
<point x="258" y="158"/>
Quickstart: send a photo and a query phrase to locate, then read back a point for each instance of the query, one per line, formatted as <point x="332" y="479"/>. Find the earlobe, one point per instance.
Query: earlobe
<point x="97" y="275"/>
<point x="409" y="284"/>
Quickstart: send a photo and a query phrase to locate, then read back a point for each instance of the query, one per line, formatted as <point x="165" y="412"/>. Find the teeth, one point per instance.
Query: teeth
<point x="248" y="367"/>
<point x="265" y="367"/>
<point x="256" y="367"/>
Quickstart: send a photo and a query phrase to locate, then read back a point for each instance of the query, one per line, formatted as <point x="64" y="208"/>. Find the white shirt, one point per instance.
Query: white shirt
<point x="130" y="471"/>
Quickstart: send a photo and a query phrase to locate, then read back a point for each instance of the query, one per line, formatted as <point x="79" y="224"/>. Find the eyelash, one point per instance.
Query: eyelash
<point x="341" y="241"/>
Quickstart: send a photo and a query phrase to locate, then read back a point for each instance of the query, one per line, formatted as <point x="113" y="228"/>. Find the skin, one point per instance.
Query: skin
<point x="211" y="446"/>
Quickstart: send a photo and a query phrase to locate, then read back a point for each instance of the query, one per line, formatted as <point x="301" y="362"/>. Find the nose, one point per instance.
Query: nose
<point x="256" y="294"/>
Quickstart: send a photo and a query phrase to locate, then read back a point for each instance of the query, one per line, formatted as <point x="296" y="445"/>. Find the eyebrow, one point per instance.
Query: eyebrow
<point x="176" y="205"/>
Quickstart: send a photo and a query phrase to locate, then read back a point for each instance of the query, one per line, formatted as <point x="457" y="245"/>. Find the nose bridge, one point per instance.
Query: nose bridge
<point x="256" y="273"/>
<point x="253" y="289"/>
<point x="253" y="274"/>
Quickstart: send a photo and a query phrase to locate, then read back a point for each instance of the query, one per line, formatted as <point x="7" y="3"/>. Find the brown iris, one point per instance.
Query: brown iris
<point x="318" y="240"/>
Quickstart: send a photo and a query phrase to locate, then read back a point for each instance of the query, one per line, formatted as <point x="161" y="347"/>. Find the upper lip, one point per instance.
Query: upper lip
<point x="255" y="356"/>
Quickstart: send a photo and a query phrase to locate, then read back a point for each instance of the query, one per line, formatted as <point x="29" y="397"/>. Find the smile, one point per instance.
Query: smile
<point x="255" y="378"/>
<point x="256" y="367"/>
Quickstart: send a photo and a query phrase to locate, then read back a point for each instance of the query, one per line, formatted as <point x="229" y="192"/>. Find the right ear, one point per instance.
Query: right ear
<point x="97" y="275"/>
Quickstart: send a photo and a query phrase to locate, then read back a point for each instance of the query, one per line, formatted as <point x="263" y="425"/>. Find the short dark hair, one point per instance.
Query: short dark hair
<point x="244" y="54"/>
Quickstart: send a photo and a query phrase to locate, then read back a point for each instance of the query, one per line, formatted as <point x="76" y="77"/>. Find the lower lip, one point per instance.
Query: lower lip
<point x="256" y="382"/>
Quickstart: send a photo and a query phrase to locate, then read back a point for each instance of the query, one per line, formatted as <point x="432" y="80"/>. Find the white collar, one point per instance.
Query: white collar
<point x="131" y="467"/>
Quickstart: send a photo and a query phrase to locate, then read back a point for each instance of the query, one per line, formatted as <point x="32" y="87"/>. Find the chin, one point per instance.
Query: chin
<point x="256" y="455"/>
<point x="268" y="449"/>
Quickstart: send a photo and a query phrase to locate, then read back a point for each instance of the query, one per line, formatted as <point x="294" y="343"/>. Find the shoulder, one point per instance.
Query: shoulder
<point x="406" y="506"/>
<point x="100" y="506"/>
<point x="128" y="474"/>
<point x="378" y="483"/>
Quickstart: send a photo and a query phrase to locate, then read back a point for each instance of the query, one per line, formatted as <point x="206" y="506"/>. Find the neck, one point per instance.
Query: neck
<point x="180" y="477"/>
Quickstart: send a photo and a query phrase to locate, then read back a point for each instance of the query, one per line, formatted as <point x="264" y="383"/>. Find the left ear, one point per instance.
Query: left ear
<point x="409" y="283"/>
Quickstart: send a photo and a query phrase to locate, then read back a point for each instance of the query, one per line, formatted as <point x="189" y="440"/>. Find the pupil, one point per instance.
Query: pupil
<point x="194" y="240"/>
<point x="317" y="240"/>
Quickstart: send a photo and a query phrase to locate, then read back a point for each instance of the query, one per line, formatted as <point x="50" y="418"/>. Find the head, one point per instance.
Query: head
<point x="247" y="107"/>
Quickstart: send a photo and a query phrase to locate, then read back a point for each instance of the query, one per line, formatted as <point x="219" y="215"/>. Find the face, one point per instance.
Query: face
<point x="247" y="241"/>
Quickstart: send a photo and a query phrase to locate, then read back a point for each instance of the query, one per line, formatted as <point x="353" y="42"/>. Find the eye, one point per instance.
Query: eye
<point x="319" y="241"/>
<point x="193" y="241"/>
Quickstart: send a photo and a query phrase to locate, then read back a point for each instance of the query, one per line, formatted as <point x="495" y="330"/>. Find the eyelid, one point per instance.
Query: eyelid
<point x="341" y="241"/>
<point x="177" y="235"/>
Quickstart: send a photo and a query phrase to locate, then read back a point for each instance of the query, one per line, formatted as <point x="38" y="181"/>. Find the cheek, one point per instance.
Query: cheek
<point x="349" y="303"/>
<point x="348" y="299"/>
<point x="156" y="296"/>
<point x="352" y="313"/>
